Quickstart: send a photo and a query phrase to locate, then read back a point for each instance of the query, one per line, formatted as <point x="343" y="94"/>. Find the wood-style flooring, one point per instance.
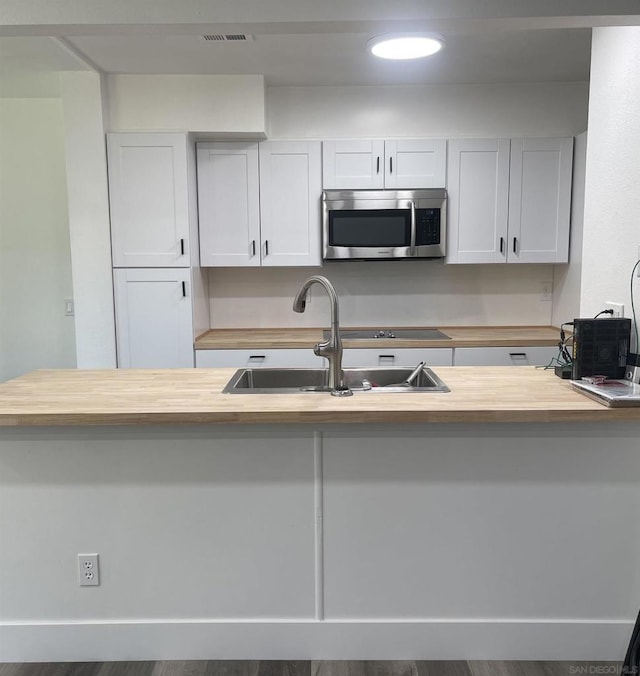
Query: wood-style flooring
<point x="308" y="668"/>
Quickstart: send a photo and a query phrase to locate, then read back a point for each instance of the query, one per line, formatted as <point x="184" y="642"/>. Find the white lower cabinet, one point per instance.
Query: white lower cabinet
<point x="154" y="326"/>
<point x="367" y="357"/>
<point x="504" y="356"/>
<point x="258" y="359"/>
<point x="305" y="358"/>
<point x="397" y="357"/>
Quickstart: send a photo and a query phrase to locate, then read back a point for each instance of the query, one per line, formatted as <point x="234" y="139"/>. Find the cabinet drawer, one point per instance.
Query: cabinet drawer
<point x="258" y="359"/>
<point x="397" y="357"/>
<point x="504" y="356"/>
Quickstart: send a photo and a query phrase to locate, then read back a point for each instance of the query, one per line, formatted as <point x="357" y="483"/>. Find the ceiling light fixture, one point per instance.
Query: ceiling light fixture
<point x="405" y="45"/>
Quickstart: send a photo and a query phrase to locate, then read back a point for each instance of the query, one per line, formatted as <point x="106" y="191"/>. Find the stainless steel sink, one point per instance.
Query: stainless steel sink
<point x="385" y="334"/>
<point x="287" y="381"/>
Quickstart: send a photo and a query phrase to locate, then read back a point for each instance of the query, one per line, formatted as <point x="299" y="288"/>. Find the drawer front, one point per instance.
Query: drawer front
<point x="258" y="359"/>
<point x="504" y="356"/>
<point x="397" y="357"/>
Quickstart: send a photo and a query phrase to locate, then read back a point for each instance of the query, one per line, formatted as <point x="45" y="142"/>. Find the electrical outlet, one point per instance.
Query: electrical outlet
<point x="546" y="292"/>
<point x="618" y="309"/>
<point x="68" y="307"/>
<point x="88" y="570"/>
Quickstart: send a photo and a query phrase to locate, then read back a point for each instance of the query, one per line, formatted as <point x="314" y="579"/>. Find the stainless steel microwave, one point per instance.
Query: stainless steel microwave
<point x="384" y="224"/>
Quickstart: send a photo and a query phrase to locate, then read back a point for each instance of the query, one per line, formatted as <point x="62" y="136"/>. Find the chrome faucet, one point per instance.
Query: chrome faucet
<point x="331" y="348"/>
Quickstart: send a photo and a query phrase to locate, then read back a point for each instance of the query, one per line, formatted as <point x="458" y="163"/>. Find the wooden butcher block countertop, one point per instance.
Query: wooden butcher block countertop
<point x="177" y="396"/>
<point x="460" y="336"/>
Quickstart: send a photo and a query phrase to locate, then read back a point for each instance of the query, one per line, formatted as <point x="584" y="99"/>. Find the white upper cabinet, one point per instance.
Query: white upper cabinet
<point x="228" y="204"/>
<point x="415" y="163"/>
<point x="478" y="200"/>
<point x="290" y="187"/>
<point x="259" y="204"/>
<point x="509" y="200"/>
<point x="352" y="165"/>
<point x="153" y="316"/>
<point x="149" y="201"/>
<point x="540" y="200"/>
<point x="370" y="164"/>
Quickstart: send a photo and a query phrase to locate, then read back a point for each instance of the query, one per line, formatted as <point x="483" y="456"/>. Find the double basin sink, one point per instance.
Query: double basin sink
<point x="390" y="379"/>
<point x="292" y="380"/>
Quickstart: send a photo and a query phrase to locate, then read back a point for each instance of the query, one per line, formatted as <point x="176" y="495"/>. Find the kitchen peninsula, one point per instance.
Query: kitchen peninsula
<point x="498" y="520"/>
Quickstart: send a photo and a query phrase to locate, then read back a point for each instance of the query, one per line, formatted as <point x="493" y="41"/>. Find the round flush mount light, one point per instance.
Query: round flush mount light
<point x="406" y="45"/>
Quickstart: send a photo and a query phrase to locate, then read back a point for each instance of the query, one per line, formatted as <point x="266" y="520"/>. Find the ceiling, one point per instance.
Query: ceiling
<point x="302" y="42"/>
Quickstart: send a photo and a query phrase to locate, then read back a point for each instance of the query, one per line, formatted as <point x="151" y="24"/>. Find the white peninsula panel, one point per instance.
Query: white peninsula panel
<point x="190" y="524"/>
<point x="489" y="524"/>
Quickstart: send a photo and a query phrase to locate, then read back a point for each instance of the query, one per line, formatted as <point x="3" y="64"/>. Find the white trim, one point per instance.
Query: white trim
<point x="438" y="639"/>
<point x="319" y="524"/>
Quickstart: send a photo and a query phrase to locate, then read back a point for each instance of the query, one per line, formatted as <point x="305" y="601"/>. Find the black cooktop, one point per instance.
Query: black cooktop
<point x="386" y="334"/>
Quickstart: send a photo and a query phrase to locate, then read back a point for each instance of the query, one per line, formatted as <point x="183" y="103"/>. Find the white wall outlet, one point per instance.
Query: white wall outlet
<point x="88" y="570"/>
<point x="546" y="292"/>
<point x="68" y="307"/>
<point x="618" y="309"/>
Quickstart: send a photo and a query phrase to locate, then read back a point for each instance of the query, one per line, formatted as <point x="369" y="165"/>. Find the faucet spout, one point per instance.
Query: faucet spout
<point x="331" y="348"/>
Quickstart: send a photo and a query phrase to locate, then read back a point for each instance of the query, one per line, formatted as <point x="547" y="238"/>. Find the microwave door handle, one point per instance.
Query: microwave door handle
<point x="412" y="246"/>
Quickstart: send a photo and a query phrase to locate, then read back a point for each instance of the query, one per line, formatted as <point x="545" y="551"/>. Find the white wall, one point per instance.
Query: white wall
<point x="551" y="109"/>
<point x="566" y="278"/>
<point x="224" y="104"/>
<point x="405" y="292"/>
<point x="89" y="219"/>
<point x="35" y="260"/>
<point x="612" y="192"/>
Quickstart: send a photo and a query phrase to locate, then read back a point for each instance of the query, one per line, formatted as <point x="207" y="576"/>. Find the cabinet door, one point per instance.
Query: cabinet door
<point x="359" y="357"/>
<point x="148" y="196"/>
<point x="228" y="204"/>
<point x="290" y="187"/>
<point x="153" y="318"/>
<point x="504" y="356"/>
<point x="540" y="200"/>
<point x="478" y="189"/>
<point x="352" y="165"/>
<point x="415" y="163"/>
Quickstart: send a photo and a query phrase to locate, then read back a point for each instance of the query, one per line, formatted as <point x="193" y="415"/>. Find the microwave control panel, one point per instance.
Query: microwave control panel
<point x="427" y="226"/>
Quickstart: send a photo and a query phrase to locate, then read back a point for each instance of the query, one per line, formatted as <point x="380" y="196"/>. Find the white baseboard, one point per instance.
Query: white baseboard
<point x="303" y="640"/>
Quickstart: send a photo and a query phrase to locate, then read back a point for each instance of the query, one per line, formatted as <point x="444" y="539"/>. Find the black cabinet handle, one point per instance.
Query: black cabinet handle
<point x="502" y="245"/>
<point x="253" y="247"/>
<point x="391" y="165"/>
<point x="378" y="164"/>
<point x="523" y="355"/>
<point x="266" y="247"/>
<point x="386" y="356"/>
<point x="514" y="244"/>
<point x="184" y="289"/>
<point x="182" y="247"/>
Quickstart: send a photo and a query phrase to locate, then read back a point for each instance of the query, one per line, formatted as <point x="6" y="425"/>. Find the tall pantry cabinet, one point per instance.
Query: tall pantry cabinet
<point x="159" y="290"/>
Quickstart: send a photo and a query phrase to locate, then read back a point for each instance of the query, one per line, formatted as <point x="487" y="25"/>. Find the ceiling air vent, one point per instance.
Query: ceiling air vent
<point x="234" y="37"/>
